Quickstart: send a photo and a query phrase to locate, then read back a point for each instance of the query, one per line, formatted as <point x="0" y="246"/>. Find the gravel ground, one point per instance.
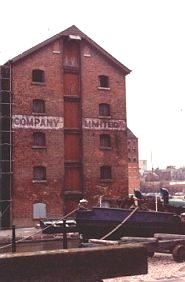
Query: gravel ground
<point x="161" y="267"/>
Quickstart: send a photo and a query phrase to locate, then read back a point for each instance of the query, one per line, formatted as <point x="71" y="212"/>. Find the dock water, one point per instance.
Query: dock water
<point x="32" y="239"/>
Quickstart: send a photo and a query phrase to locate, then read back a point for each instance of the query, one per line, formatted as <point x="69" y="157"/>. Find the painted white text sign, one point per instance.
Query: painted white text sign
<point x="37" y="122"/>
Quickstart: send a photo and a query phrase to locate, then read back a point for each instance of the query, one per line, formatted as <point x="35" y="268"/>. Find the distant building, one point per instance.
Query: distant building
<point x="171" y="178"/>
<point x="63" y="129"/>
<point x="143" y="164"/>
<point x="133" y="161"/>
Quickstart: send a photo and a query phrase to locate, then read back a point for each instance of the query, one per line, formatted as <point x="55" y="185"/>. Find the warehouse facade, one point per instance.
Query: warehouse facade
<point x="63" y="129"/>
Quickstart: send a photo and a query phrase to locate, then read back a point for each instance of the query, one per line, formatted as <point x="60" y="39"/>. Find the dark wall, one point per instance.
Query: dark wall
<point x="75" y="265"/>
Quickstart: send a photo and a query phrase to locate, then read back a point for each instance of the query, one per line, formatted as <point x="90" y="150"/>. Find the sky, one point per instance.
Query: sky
<point x="147" y="36"/>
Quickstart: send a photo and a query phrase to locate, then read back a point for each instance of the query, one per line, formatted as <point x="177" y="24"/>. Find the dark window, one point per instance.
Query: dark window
<point x="5" y="123"/>
<point x="39" y="139"/>
<point x="6" y="149"/>
<point x="104" y="109"/>
<point x="5" y="137"/>
<point x="38" y="76"/>
<point x="5" y="110"/>
<point x="5" y="71"/>
<point x="105" y="141"/>
<point x="105" y="173"/>
<point x="38" y="106"/>
<point x="104" y="81"/>
<point x="39" y="173"/>
<point x="5" y="84"/>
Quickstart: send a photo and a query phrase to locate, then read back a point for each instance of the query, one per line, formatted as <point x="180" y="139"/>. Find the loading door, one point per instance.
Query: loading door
<point x="72" y="125"/>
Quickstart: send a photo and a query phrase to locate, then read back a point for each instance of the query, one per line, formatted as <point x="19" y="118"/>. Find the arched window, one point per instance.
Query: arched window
<point x="39" y="139"/>
<point x="105" y="173"/>
<point x="103" y="81"/>
<point x="38" y="76"/>
<point x="105" y="141"/>
<point x="39" y="173"/>
<point x="38" y="106"/>
<point x="104" y="109"/>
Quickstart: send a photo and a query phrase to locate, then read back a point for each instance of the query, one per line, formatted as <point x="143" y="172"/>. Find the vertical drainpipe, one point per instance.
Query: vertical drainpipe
<point x="11" y="168"/>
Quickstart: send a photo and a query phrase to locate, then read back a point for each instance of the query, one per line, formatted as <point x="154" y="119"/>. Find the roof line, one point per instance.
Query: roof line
<point x="73" y="30"/>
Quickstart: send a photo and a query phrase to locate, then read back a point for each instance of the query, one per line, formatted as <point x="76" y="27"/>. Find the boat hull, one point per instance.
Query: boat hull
<point x="98" y="222"/>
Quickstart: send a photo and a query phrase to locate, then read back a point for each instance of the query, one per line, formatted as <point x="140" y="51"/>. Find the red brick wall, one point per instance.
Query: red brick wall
<point x="25" y="192"/>
<point x="92" y="67"/>
<point x="93" y="156"/>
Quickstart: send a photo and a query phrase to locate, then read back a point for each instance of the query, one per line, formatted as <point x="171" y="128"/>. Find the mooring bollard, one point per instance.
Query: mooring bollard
<point x="64" y="235"/>
<point x="13" y="239"/>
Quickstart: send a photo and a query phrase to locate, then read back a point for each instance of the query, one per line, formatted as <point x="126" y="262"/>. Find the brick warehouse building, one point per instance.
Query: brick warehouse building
<point x="63" y="129"/>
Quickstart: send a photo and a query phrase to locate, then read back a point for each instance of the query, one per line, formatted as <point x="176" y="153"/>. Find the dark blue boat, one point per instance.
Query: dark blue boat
<point x="99" y="222"/>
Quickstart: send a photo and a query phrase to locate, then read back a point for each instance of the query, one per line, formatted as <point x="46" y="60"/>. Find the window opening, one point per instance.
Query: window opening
<point x="104" y="109"/>
<point x="105" y="173"/>
<point x="39" y="210"/>
<point x="39" y="173"/>
<point x="38" y="76"/>
<point x="105" y="141"/>
<point x="38" y="106"/>
<point x="104" y="81"/>
<point x="39" y="139"/>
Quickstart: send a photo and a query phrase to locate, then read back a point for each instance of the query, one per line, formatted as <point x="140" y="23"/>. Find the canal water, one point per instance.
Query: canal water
<point x="35" y="246"/>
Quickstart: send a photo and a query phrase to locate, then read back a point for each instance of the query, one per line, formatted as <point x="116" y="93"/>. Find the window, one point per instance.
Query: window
<point x="39" y="210"/>
<point x="39" y="173"/>
<point x="39" y="139"/>
<point x="38" y="76"/>
<point x="105" y="204"/>
<point x="105" y="141"/>
<point x="104" y="81"/>
<point x="104" y="109"/>
<point x="38" y="106"/>
<point x="105" y="173"/>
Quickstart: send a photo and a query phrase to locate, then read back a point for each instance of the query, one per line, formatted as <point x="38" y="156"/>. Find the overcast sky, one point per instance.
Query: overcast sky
<point x="147" y="36"/>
